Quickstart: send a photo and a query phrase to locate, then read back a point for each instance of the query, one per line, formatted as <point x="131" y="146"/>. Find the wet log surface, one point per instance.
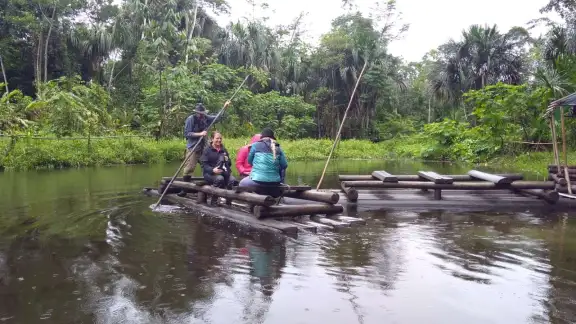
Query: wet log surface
<point x="489" y="177"/>
<point x="453" y="200"/>
<point x="456" y="185"/>
<point x="243" y="196"/>
<point x="415" y="177"/>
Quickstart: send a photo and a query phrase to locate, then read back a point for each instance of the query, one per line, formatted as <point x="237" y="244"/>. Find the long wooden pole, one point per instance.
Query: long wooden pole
<point x="4" y="75"/>
<point x="341" y="124"/>
<point x="555" y="142"/>
<point x="194" y="147"/>
<point x="564" y="151"/>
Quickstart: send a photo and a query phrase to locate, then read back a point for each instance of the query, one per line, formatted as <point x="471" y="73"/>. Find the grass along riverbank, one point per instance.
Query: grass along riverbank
<point x="27" y="154"/>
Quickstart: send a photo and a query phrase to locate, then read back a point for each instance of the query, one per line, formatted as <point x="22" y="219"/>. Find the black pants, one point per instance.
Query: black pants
<point x="223" y="181"/>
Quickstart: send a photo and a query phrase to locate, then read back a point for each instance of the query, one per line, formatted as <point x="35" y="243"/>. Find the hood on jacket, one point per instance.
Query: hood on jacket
<point x="255" y="139"/>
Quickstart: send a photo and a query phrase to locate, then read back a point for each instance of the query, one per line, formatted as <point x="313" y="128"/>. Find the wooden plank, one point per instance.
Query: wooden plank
<point x="384" y="176"/>
<point x="435" y="177"/>
<point x="489" y="177"/>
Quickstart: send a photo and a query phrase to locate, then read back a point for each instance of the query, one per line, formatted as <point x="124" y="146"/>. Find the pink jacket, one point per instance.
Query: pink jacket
<point x="242" y="164"/>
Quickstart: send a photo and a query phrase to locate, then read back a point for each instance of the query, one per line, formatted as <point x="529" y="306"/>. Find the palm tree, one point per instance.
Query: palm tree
<point x="484" y="56"/>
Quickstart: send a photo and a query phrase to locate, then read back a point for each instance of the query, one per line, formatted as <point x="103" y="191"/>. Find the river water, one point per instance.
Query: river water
<point x="83" y="246"/>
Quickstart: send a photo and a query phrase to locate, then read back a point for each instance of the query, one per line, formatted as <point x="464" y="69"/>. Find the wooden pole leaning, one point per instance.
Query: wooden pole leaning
<point x="194" y="147"/>
<point x="564" y="151"/>
<point x="341" y="125"/>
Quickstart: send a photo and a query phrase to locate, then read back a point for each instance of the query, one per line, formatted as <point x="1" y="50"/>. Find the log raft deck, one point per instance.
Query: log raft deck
<point x="475" y="190"/>
<point x="298" y="209"/>
<point x="302" y="209"/>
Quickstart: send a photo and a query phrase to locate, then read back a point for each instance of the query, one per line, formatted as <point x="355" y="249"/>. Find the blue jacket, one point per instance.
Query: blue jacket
<point x="196" y="125"/>
<point x="264" y="167"/>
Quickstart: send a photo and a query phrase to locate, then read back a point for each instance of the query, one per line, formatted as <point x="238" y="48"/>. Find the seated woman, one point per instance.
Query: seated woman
<point x="268" y="165"/>
<point x="242" y="164"/>
<point x="216" y="164"/>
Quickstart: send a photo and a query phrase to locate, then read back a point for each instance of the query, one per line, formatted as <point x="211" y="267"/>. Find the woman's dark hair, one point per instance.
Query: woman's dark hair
<point x="214" y="134"/>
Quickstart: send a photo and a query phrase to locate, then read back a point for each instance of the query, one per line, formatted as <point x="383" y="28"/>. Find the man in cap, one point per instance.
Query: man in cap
<point x="195" y="129"/>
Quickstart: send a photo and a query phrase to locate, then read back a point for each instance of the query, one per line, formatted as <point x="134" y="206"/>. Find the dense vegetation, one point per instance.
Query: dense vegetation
<point x="97" y="68"/>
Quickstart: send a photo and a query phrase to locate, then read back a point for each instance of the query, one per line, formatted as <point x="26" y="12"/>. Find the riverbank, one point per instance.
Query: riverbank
<point x="28" y="154"/>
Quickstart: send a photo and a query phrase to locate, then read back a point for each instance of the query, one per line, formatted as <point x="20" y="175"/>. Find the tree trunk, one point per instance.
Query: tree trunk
<point x="4" y="75"/>
<point x="429" y="109"/>
<point x="191" y="32"/>
<point x="51" y="22"/>
<point x="37" y="63"/>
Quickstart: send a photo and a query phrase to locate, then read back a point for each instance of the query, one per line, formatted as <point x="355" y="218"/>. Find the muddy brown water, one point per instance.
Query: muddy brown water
<point x="83" y="246"/>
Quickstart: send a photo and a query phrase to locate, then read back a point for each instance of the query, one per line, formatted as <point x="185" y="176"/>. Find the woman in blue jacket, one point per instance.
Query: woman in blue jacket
<point x="268" y="165"/>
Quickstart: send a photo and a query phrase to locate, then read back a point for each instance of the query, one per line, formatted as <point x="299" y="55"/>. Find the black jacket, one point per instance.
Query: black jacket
<point x="211" y="158"/>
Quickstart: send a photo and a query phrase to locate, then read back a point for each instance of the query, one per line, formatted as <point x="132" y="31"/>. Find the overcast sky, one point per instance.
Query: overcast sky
<point x="432" y="22"/>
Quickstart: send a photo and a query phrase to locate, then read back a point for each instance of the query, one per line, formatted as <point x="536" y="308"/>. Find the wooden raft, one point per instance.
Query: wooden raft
<point x="428" y="180"/>
<point x="298" y="207"/>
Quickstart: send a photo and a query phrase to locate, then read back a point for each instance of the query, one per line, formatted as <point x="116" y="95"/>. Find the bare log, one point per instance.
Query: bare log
<point x="489" y="177"/>
<point x="414" y="177"/>
<point x="384" y="176"/>
<point x="286" y="187"/>
<point x="455" y="186"/>
<point x="435" y="177"/>
<point x="325" y="197"/>
<point x="182" y="179"/>
<point x="549" y="196"/>
<point x="559" y="180"/>
<point x="255" y="199"/>
<point x="564" y="189"/>
<point x="296" y="210"/>
<point x="571" y="172"/>
<point x="162" y="188"/>
<point x="351" y="193"/>
<point x="570" y="167"/>
<point x="216" y="214"/>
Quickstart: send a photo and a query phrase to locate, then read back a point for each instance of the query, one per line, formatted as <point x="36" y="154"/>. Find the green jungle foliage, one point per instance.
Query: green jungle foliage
<point x="139" y="67"/>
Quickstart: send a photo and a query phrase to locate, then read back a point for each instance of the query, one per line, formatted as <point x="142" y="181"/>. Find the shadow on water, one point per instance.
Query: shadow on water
<point x="83" y="246"/>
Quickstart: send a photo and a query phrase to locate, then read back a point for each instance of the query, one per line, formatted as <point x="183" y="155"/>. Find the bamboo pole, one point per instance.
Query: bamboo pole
<point x="198" y="142"/>
<point x="564" y="152"/>
<point x="341" y="125"/>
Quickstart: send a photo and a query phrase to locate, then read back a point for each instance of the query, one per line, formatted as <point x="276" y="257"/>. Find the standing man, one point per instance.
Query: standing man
<point x="195" y="129"/>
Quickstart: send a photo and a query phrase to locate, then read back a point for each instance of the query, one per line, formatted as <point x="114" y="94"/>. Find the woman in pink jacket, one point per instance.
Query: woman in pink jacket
<point x="242" y="164"/>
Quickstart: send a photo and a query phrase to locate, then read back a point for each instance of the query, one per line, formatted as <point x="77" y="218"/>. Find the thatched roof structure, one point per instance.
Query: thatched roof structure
<point x="569" y="100"/>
